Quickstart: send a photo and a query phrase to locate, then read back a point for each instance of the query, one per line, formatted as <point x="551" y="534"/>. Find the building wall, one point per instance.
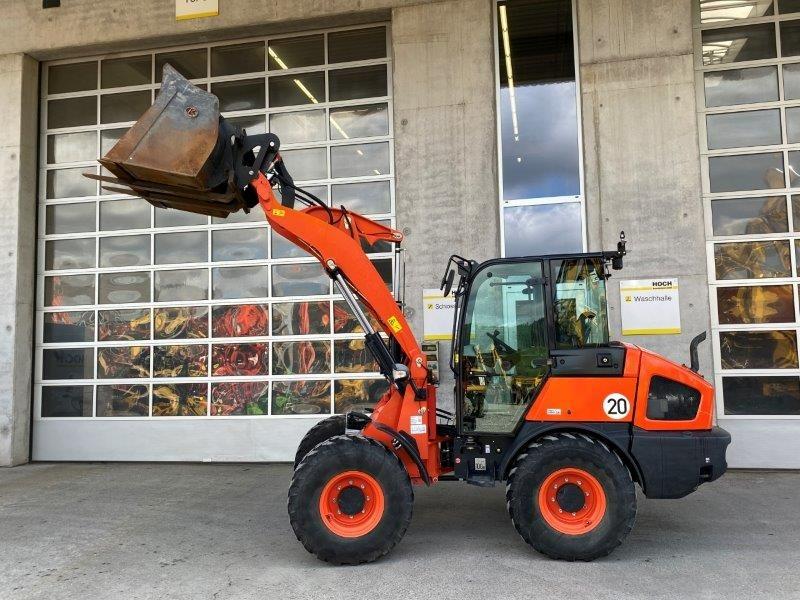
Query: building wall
<point x="445" y="172"/>
<point x="641" y="155"/>
<point x="18" y="142"/>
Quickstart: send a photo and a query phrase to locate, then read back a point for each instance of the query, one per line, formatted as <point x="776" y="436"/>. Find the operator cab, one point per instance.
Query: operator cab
<point x="522" y="320"/>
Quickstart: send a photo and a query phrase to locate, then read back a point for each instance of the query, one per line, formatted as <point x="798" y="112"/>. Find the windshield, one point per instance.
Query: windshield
<point x="581" y="311"/>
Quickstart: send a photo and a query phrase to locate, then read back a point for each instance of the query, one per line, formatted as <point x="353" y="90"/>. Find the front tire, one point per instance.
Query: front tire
<point x="570" y="497"/>
<point x="324" y="430"/>
<point x="350" y="500"/>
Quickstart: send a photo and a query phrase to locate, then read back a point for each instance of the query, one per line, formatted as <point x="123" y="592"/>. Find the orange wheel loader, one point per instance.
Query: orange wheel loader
<point x="544" y="402"/>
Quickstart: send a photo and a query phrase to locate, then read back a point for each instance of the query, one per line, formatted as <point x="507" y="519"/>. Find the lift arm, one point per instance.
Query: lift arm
<point x="405" y="417"/>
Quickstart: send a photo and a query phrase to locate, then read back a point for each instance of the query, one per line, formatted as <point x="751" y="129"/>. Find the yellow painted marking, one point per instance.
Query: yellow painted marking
<point x="394" y="324"/>
<point x="651" y="331"/>
<point x="211" y="13"/>
<point x="438" y="336"/>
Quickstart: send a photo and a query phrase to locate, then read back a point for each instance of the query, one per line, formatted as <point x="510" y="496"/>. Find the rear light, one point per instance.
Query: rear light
<point x="668" y="400"/>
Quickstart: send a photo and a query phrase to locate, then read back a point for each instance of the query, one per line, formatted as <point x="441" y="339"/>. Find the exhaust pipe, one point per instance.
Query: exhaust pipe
<point x="694" y="360"/>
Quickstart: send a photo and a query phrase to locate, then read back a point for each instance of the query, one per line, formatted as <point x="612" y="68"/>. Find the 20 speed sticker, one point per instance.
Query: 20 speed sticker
<point x="616" y="406"/>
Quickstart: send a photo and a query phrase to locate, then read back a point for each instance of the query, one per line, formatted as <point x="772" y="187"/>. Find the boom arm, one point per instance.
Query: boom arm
<point x="333" y="237"/>
<point x="337" y="246"/>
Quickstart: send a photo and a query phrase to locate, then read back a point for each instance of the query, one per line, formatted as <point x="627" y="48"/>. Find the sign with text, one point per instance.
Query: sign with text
<point x="437" y="312"/>
<point x="195" y="9"/>
<point x="650" y="306"/>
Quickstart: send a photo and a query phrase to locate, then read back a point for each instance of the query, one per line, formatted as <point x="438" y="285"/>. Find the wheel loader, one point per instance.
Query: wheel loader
<point x="545" y="404"/>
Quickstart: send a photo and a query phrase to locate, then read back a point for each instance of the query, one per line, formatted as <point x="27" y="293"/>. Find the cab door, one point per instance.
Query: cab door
<point x="503" y="347"/>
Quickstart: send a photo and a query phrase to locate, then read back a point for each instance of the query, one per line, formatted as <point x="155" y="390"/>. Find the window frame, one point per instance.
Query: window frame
<point x="208" y="267"/>
<point x="711" y="240"/>
<point x="581" y="197"/>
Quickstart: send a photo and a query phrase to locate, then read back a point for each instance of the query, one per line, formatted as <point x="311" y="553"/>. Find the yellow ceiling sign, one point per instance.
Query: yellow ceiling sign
<point x="195" y="9"/>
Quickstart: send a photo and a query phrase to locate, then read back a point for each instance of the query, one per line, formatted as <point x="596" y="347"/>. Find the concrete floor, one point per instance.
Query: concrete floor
<point x="221" y="531"/>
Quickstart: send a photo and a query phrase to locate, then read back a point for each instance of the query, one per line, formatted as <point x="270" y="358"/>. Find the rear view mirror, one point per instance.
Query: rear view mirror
<point x="447" y="283"/>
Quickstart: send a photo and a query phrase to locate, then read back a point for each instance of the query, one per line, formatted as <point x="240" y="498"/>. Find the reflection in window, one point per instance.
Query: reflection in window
<point x="301" y="318"/>
<point x="68" y="363"/>
<point x="755" y="304"/>
<point x="125" y="400"/>
<point x="294" y="52"/>
<point x="240" y="244"/>
<point x="290" y="90"/>
<point x="231" y="399"/>
<point x="301" y="358"/>
<point x="714" y="11"/>
<point x="180" y="248"/>
<point x="75" y="253"/>
<point x="240" y="320"/>
<point x="124" y="250"/>
<point x="752" y="260"/>
<point x="70" y="218"/>
<point x="181" y="285"/>
<point x="123" y="362"/>
<point x="356" y="44"/>
<point x="543" y="229"/>
<point x="746" y="172"/>
<point x="758" y="349"/>
<point x="736" y="44"/>
<point x="180" y="399"/>
<point x="240" y="282"/>
<point x="69" y="290"/>
<point x="538" y="104"/>
<point x="298" y="127"/>
<point x="239" y="58"/>
<point x="239" y="95"/>
<point x="240" y="359"/>
<point x="66" y="401"/>
<point x="189" y="63"/>
<point x="124" y="288"/>
<point x="302" y="279"/>
<point x="746" y="128"/>
<point x="180" y="322"/>
<point x="761" y="395"/>
<point x="72" y="112"/>
<point x="124" y="214"/>
<point x="352" y="356"/>
<point x="62" y="327"/>
<point x="579" y="301"/>
<point x="361" y="82"/>
<point x="121" y="325"/>
<point x="742" y="86"/>
<point x="75" y="77"/>
<point x="180" y="361"/>
<point x="71" y="147"/>
<point x="301" y="397"/>
<point x="357" y="394"/>
<point x="749" y="216"/>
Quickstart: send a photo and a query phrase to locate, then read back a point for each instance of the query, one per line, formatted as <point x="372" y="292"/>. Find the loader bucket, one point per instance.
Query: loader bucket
<point x="180" y="154"/>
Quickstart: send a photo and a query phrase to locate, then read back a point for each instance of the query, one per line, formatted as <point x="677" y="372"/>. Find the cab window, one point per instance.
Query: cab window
<point x="503" y="346"/>
<point x="579" y="303"/>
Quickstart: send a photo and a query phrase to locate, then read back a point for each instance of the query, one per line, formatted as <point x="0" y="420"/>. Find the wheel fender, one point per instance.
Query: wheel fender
<point x="616" y="436"/>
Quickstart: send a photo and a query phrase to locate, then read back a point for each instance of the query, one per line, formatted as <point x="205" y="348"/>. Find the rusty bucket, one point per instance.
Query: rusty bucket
<point x="179" y="154"/>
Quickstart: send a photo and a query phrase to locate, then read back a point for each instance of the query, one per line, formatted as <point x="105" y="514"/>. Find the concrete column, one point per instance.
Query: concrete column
<point x="18" y="142"/>
<point x="445" y="143"/>
<point x="641" y="154"/>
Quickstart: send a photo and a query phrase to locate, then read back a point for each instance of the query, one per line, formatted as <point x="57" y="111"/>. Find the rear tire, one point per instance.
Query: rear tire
<point x="350" y="500"/>
<point x="570" y="497"/>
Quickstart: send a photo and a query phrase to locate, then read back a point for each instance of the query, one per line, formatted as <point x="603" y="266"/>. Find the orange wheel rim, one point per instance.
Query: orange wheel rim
<point x="572" y="501"/>
<point x="351" y="504"/>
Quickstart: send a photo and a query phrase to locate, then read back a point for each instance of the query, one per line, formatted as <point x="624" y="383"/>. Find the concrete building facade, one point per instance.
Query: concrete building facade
<point x="655" y="117"/>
